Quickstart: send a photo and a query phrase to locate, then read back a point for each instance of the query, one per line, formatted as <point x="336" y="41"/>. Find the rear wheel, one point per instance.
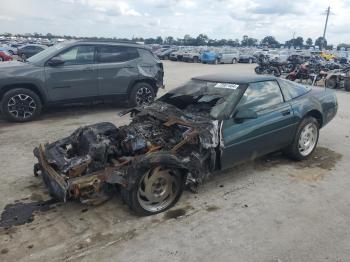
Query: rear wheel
<point x="250" y="61"/>
<point x="142" y="94"/>
<point x="305" y="140"/>
<point x="195" y="59"/>
<point x="234" y="61"/>
<point x="157" y="190"/>
<point x="258" y="70"/>
<point x="21" y="105"/>
<point x="1" y="59"/>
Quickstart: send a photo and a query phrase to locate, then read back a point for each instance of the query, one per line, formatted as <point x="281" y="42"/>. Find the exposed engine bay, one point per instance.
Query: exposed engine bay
<point x="84" y="164"/>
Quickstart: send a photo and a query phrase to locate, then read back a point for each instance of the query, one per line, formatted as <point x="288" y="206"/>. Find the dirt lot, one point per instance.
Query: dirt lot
<point x="270" y="210"/>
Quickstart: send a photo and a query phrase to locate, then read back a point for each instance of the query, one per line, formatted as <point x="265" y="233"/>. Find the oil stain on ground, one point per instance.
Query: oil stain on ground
<point x="321" y="158"/>
<point x="21" y="212"/>
<point x="176" y="213"/>
<point x="312" y="169"/>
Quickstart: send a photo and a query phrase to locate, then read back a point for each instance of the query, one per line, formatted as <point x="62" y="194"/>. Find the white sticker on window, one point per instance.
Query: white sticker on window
<point x="226" y="85"/>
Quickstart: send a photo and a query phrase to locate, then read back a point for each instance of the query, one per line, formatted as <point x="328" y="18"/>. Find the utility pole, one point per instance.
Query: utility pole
<point x="325" y="27"/>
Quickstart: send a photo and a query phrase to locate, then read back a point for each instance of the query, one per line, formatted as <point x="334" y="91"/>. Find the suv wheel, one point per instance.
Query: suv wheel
<point x="21" y="105"/>
<point x="141" y="94"/>
<point x="23" y="56"/>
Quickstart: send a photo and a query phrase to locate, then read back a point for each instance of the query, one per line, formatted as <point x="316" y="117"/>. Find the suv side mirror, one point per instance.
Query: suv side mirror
<point x="245" y="114"/>
<point x="55" y="61"/>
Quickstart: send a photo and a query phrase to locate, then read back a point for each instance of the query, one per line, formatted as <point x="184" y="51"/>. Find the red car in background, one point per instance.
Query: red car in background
<point x="5" y="56"/>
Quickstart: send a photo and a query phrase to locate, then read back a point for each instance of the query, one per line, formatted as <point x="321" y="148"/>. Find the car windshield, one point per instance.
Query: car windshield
<point x="212" y="99"/>
<point x="47" y="52"/>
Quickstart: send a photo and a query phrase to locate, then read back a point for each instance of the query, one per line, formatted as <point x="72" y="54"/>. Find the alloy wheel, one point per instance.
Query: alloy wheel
<point x="144" y="96"/>
<point x="21" y="106"/>
<point x="307" y="139"/>
<point x="157" y="189"/>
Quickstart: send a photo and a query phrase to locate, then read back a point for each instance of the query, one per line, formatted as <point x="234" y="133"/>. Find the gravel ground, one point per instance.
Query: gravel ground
<point x="271" y="210"/>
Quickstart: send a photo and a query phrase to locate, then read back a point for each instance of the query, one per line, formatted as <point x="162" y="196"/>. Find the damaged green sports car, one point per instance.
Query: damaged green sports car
<point x="209" y="124"/>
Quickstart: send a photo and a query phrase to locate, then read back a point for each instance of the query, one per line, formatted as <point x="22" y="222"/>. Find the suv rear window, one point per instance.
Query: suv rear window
<point x="115" y="54"/>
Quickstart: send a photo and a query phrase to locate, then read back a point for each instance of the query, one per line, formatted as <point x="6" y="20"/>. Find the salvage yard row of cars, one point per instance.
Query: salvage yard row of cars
<point x="207" y="125"/>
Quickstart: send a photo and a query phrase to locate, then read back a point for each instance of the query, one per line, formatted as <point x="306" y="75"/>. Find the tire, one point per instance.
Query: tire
<point x="308" y="125"/>
<point x="24" y="57"/>
<point x="216" y="61"/>
<point x="1" y="59"/>
<point x="11" y="52"/>
<point x="331" y="83"/>
<point x="250" y="61"/>
<point x="234" y="61"/>
<point x="21" y="105"/>
<point x="258" y="70"/>
<point x="347" y="85"/>
<point x="195" y="59"/>
<point x="141" y="94"/>
<point x="151" y="186"/>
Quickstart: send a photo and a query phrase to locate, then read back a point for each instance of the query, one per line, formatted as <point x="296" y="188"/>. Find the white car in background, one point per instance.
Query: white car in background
<point x="229" y="57"/>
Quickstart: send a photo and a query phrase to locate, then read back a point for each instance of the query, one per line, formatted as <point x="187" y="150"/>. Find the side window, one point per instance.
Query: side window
<point x="78" y="55"/>
<point x="292" y="90"/>
<point x="261" y="95"/>
<point x="115" y="54"/>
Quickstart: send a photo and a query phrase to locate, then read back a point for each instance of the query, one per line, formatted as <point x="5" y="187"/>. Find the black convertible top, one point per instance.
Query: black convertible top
<point x="234" y="78"/>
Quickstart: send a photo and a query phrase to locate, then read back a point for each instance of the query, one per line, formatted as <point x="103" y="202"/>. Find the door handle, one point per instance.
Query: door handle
<point x="286" y="112"/>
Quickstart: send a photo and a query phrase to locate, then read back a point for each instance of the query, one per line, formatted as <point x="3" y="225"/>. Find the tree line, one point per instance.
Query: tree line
<point x="202" y="39"/>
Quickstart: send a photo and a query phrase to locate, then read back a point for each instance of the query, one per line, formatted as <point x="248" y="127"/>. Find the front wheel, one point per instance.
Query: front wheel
<point x="250" y="61"/>
<point x="305" y="140"/>
<point x="21" y="105"/>
<point x="157" y="190"/>
<point x="141" y="94"/>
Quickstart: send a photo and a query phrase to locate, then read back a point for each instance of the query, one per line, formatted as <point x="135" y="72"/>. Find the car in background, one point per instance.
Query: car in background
<point x="210" y="124"/>
<point x="11" y="48"/>
<point x="164" y="54"/>
<point x="29" y="50"/>
<point x="327" y="56"/>
<point x="192" y="56"/>
<point x="5" y="55"/>
<point x="210" y="57"/>
<point x="229" y="57"/>
<point x="247" y="59"/>
<point x="177" y="55"/>
<point x="77" y="72"/>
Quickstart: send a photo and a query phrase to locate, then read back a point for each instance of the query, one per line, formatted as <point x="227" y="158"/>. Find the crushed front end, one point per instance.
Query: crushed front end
<point x="89" y="163"/>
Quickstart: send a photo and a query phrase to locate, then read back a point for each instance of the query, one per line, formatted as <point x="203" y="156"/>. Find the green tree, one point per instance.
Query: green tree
<point x="269" y="41"/>
<point x="202" y="39"/>
<point x="309" y="42"/>
<point x="320" y="42"/>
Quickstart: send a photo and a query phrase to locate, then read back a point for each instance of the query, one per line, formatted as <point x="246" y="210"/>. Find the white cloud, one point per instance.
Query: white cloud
<point x="150" y="18"/>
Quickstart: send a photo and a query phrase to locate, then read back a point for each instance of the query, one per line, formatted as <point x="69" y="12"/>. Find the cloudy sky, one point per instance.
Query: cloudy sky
<point x="150" y="18"/>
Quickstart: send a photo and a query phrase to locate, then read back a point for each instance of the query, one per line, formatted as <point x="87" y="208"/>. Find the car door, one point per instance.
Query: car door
<point x="271" y="130"/>
<point x="76" y="78"/>
<point x="117" y="69"/>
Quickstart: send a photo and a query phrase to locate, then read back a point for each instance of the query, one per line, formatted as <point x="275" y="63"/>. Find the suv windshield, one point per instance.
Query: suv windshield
<point x="47" y="52"/>
<point x="213" y="98"/>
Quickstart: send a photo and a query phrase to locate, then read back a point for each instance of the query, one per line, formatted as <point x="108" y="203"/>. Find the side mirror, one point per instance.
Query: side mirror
<point x="245" y="114"/>
<point x="55" y="61"/>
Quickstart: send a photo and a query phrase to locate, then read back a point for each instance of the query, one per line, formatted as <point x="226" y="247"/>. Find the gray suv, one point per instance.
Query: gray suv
<point x="79" y="71"/>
